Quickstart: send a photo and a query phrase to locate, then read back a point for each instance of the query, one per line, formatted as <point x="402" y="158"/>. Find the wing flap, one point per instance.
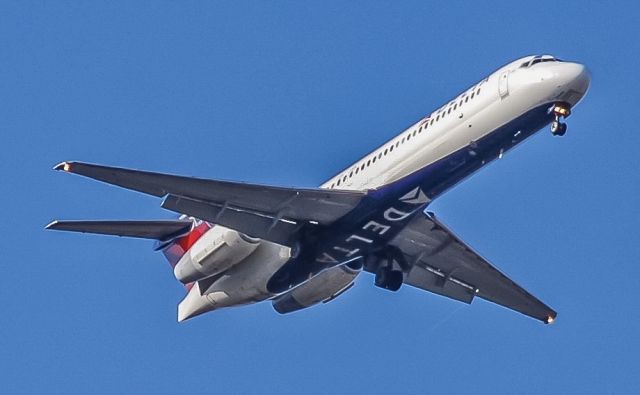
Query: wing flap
<point x="458" y="272"/>
<point x="254" y="224"/>
<point x="321" y="205"/>
<point x="430" y="280"/>
<point x="157" y="230"/>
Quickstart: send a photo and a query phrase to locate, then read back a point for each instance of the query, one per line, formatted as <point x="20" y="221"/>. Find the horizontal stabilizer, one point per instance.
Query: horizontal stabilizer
<point x="158" y="230"/>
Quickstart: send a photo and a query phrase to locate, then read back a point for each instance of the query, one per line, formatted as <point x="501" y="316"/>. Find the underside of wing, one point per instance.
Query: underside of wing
<point x="321" y="205"/>
<point x="157" y="230"/>
<point x="266" y="212"/>
<point x="444" y="264"/>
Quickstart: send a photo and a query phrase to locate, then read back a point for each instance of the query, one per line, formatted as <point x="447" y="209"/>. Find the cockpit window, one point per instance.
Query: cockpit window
<point x="539" y="59"/>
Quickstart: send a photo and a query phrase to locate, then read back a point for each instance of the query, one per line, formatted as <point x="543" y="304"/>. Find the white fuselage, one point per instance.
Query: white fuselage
<point x="470" y="116"/>
<point x="503" y="96"/>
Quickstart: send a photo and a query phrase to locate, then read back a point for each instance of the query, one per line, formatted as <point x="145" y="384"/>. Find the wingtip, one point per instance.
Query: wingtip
<point x="64" y="166"/>
<point x="51" y="225"/>
<point x="551" y="319"/>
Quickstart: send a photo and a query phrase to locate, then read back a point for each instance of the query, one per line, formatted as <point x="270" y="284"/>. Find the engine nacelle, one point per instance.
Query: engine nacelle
<point x="216" y="251"/>
<point x="326" y="286"/>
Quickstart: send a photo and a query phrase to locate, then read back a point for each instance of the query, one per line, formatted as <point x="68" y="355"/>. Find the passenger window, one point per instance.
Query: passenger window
<point x="455" y="106"/>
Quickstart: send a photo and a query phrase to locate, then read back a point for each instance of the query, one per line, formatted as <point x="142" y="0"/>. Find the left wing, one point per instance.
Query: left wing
<point x="444" y="264"/>
<point x="266" y="212"/>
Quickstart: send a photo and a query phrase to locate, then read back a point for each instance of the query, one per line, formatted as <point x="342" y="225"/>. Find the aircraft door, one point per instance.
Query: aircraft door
<point x="503" y="84"/>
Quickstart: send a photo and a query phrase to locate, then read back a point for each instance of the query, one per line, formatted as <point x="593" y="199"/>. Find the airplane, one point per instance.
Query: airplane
<point x="237" y="243"/>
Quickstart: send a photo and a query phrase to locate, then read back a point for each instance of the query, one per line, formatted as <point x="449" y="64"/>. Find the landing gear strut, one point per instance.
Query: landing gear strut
<point x="560" y="110"/>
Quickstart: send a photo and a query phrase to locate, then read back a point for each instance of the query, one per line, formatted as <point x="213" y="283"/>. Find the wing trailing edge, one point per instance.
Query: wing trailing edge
<point x="443" y="264"/>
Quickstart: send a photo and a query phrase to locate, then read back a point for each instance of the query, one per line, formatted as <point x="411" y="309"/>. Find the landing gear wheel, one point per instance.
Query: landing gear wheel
<point x="389" y="279"/>
<point x="562" y="130"/>
<point x="558" y="128"/>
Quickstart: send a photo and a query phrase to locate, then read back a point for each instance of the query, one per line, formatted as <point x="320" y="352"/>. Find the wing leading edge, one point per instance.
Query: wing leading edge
<point x="444" y="264"/>
<point x="266" y="212"/>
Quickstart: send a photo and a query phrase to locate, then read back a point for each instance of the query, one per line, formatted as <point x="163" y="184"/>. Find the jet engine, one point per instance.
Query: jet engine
<point x="324" y="287"/>
<point x="216" y="251"/>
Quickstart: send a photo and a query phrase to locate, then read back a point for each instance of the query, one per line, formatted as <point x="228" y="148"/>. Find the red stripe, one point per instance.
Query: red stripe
<point x="176" y="250"/>
<point x="189" y="240"/>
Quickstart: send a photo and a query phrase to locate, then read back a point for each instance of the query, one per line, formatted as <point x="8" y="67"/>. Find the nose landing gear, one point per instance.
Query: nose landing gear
<point x="558" y="128"/>
<point x="560" y="111"/>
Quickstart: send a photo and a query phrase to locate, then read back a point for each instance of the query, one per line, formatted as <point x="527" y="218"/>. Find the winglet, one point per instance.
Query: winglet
<point x="64" y="166"/>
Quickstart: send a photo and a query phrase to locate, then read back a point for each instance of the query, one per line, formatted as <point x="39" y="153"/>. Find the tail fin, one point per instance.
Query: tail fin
<point x="176" y="248"/>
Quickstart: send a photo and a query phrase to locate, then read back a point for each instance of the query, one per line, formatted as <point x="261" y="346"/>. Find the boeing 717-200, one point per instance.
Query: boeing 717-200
<point x="237" y="243"/>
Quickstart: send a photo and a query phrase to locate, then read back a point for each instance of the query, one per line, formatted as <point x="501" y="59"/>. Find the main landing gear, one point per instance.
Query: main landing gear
<point x="560" y="110"/>
<point x="389" y="267"/>
<point x="388" y="278"/>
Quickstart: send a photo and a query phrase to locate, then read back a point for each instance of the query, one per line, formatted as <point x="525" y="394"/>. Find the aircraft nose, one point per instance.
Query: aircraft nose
<point x="574" y="79"/>
<point x="578" y="77"/>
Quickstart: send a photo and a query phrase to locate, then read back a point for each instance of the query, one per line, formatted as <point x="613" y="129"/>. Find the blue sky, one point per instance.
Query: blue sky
<point x="289" y="93"/>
